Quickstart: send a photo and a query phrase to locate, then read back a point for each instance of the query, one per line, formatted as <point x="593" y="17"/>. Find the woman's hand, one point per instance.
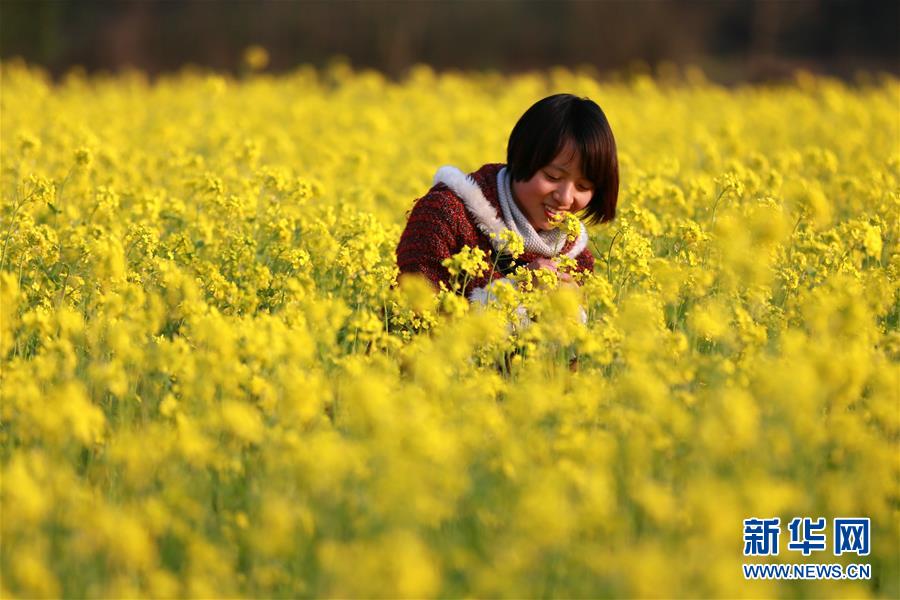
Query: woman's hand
<point x="548" y="263"/>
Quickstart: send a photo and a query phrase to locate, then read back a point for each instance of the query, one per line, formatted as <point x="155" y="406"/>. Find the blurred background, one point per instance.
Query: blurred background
<point x="731" y="40"/>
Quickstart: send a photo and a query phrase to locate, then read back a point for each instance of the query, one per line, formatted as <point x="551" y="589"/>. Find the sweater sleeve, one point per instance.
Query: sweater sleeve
<point x="585" y="261"/>
<point x="428" y="239"/>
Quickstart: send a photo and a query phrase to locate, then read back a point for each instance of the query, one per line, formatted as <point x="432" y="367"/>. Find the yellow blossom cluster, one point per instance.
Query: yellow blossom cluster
<point x="214" y="385"/>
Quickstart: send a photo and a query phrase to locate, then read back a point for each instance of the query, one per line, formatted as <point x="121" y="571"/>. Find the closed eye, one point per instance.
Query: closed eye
<point x="550" y="177"/>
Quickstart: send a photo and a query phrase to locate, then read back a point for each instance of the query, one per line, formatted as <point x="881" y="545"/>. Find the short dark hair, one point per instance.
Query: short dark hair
<point x="541" y="134"/>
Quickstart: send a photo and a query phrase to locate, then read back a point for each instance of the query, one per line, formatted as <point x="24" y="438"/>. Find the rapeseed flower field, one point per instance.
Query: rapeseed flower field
<point x="212" y="387"/>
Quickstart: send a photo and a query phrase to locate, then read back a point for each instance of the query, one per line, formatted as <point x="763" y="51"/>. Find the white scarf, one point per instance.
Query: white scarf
<point x="485" y="215"/>
<point x="546" y="243"/>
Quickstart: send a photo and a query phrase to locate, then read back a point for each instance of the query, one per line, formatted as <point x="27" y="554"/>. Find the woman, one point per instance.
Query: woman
<point x="561" y="157"/>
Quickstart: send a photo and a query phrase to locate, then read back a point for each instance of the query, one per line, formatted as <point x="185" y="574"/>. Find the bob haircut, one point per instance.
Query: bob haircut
<point x="542" y="132"/>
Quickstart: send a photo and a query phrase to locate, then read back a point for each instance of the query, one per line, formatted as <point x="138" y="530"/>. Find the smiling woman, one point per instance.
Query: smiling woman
<point x="561" y="160"/>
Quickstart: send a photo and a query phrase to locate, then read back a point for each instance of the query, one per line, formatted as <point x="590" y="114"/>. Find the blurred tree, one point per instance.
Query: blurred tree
<point x="732" y="40"/>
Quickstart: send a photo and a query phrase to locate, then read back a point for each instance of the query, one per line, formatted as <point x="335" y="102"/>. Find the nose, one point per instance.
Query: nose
<point x="565" y="195"/>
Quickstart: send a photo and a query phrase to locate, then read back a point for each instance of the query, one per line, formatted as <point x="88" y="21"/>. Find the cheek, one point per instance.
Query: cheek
<point x="582" y="201"/>
<point x="537" y="190"/>
<point x="541" y="186"/>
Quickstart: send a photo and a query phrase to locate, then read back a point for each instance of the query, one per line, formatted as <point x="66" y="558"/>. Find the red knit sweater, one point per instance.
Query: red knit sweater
<point x="442" y="222"/>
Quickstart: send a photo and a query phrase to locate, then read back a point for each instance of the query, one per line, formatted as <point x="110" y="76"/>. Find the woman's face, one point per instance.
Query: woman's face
<point x="554" y="188"/>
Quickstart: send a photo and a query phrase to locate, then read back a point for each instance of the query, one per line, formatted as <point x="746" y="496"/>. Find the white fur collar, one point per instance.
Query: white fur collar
<point x="486" y="218"/>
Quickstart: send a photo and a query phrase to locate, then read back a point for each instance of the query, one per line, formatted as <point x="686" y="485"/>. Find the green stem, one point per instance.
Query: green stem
<point x="494" y="265"/>
<point x="716" y="204"/>
<point x="621" y="286"/>
<point x="62" y="185"/>
<point x="794" y="230"/>
<point x="9" y="230"/>
<point x="62" y="297"/>
<point x="609" y="256"/>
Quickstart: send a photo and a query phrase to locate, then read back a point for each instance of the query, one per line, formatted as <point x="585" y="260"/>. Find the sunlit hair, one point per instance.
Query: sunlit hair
<point x="541" y="134"/>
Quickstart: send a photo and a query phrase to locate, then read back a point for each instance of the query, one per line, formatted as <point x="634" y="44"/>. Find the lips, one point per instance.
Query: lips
<point x="549" y="213"/>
